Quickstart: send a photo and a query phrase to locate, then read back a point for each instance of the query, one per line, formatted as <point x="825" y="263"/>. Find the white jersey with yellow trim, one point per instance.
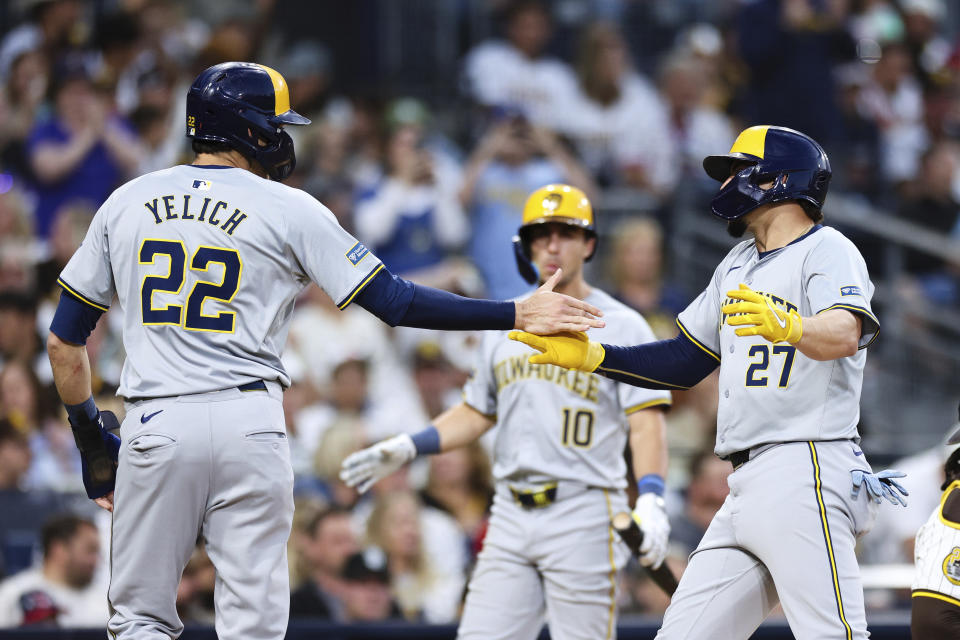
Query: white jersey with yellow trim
<point x="206" y="263"/>
<point x="937" y="554"/>
<point x="772" y="392"/>
<point x="555" y="423"/>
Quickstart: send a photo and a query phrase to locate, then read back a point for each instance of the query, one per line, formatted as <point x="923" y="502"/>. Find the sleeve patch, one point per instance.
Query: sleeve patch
<point x="851" y="290"/>
<point x="357" y="253"/>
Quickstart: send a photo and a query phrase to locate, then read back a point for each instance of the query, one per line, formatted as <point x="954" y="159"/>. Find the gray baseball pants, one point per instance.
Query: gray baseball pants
<point x="211" y="467"/>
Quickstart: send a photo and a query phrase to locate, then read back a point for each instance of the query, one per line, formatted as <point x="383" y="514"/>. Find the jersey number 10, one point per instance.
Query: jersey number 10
<point x="203" y="257"/>
<point x="577" y="427"/>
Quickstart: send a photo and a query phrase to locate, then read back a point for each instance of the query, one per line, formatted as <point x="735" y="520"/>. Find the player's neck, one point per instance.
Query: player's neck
<point x="228" y="159"/>
<point x="778" y="226"/>
<point x="576" y="288"/>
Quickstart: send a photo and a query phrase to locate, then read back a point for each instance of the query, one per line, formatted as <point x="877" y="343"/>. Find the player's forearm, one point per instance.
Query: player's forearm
<point x="461" y="425"/>
<point x="71" y="370"/>
<point x="648" y="443"/>
<point x="667" y="364"/>
<point x="830" y="335"/>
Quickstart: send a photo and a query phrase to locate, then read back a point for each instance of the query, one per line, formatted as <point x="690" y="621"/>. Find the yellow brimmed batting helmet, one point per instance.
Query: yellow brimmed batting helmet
<point x="558" y="203"/>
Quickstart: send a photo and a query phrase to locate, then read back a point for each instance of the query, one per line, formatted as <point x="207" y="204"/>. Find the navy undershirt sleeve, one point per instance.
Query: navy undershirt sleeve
<point x="400" y="302"/>
<point x="74" y="319"/>
<point x="668" y="364"/>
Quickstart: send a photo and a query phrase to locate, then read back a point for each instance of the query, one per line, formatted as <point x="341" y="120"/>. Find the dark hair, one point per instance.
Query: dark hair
<point x="951" y="469"/>
<point x="314" y="523"/>
<point x="206" y="146"/>
<point x="62" y="529"/>
<point x="813" y="212"/>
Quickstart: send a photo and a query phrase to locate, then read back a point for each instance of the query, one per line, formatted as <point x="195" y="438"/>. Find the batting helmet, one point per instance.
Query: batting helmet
<point x="245" y="105"/>
<point x="794" y="162"/>
<point x="559" y="203"/>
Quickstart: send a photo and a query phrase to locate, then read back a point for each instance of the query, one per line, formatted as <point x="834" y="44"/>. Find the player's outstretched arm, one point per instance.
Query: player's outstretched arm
<point x="399" y="302"/>
<point x="454" y="428"/>
<point x="648" y="448"/>
<point x="668" y="364"/>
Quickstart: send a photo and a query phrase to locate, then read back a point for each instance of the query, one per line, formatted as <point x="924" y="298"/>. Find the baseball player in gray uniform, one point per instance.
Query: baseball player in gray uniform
<point x="787" y="319"/>
<point x="558" y="457"/>
<point x="206" y="261"/>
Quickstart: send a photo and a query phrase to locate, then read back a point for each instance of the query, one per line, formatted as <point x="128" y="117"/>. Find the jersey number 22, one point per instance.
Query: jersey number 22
<point x="194" y="319"/>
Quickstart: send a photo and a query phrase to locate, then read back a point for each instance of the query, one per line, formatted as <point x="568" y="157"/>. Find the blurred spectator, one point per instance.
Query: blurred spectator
<point x="23" y="96"/>
<point x="421" y="588"/>
<point x="790" y="47"/>
<point x="19" y="340"/>
<point x="69" y="227"/>
<point x="306" y="66"/>
<point x="336" y="443"/>
<point x="56" y="462"/>
<point x="706" y="491"/>
<point x="856" y="156"/>
<point x="26" y="511"/>
<point x="460" y="485"/>
<point x="511" y="160"/>
<point x="893" y="99"/>
<point x="324" y="546"/>
<point x="412" y="219"/>
<point x="326" y="161"/>
<point x="195" y="603"/>
<point x="353" y="334"/>
<point x="83" y="151"/>
<point x="16" y="224"/>
<point x="614" y="116"/>
<point x="932" y="201"/>
<point x="61" y="592"/>
<point x="366" y="588"/>
<point x="438" y="381"/>
<point x="696" y="128"/>
<point x="116" y="38"/>
<point x="636" y="272"/>
<point x="17" y="266"/>
<point x="517" y="72"/>
<point x="52" y="27"/>
<point x="923" y="20"/>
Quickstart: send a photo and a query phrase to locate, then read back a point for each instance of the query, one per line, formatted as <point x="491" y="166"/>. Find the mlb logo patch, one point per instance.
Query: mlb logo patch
<point x="202" y="185"/>
<point x="357" y="253"/>
<point x="850" y="291"/>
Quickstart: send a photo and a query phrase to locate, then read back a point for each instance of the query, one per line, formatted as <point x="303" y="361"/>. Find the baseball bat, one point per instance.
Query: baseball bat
<point x="624" y="524"/>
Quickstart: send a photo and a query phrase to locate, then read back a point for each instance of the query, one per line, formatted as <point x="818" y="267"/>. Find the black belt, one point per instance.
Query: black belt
<point x="256" y="385"/>
<point x="738" y="458"/>
<point x="535" y="499"/>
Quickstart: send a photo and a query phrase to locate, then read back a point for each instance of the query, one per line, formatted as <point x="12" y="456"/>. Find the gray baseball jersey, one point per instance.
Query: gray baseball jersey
<point x="771" y="392"/>
<point x="206" y="263"/>
<point x="555" y="423"/>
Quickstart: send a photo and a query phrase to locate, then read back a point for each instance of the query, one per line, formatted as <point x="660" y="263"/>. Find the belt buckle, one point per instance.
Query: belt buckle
<point x="535" y="498"/>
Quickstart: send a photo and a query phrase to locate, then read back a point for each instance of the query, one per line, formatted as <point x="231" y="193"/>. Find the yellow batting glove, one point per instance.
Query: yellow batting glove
<point x="570" y="350"/>
<point x="760" y="317"/>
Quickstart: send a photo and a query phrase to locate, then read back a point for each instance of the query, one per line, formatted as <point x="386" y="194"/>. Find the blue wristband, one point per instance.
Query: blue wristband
<point x="651" y="483"/>
<point x="85" y="411"/>
<point x="427" y="441"/>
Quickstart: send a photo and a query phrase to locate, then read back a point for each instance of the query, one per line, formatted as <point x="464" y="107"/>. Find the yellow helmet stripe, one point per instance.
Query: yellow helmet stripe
<point x="751" y="141"/>
<point x="280" y="91"/>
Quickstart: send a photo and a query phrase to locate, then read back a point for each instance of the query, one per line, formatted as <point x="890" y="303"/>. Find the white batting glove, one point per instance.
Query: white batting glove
<point x="364" y="468"/>
<point x="651" y="516"/>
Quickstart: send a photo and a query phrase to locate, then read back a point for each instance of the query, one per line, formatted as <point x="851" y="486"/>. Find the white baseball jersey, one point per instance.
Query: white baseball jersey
<point x="555" y="423"/>
<point x="206" y="263"/>
<point x="937" y="553"/>
<point x="772" y="392"/>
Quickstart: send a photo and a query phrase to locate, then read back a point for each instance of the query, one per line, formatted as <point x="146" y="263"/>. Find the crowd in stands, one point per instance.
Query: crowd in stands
<point x="605" y="95"/>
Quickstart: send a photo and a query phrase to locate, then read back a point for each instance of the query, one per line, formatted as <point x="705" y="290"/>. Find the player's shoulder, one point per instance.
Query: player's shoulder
<point x="950" y="512"/>
<point x="828" y="241"/>
<point x="610" y="305"/>
<point x="740" y="251"/>
<point x="620" y="318"/>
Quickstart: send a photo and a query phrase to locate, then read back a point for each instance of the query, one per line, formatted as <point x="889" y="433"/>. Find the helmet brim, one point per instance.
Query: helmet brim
<point x="291" y="117"/>
<point x="719" y="167"/>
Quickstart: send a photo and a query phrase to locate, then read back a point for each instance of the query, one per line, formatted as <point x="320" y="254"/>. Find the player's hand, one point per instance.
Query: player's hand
<point x="363" y="469"/>
<point x="99" y="451"/>
<point x="760" y="317"/>
<point x="547" y="312"/>
<point x="570" y="350"/>
<point x="106" y="502"/>
<point x="880" y="486"/>
<point x="651" y="516"/>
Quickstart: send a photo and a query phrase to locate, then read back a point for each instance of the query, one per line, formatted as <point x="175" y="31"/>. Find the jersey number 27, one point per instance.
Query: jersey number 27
<point x="173" y="314"/>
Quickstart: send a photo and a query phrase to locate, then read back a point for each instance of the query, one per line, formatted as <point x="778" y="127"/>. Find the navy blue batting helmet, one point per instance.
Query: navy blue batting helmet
<point x="794" y="162"/>
<point x="245" y="105"/>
